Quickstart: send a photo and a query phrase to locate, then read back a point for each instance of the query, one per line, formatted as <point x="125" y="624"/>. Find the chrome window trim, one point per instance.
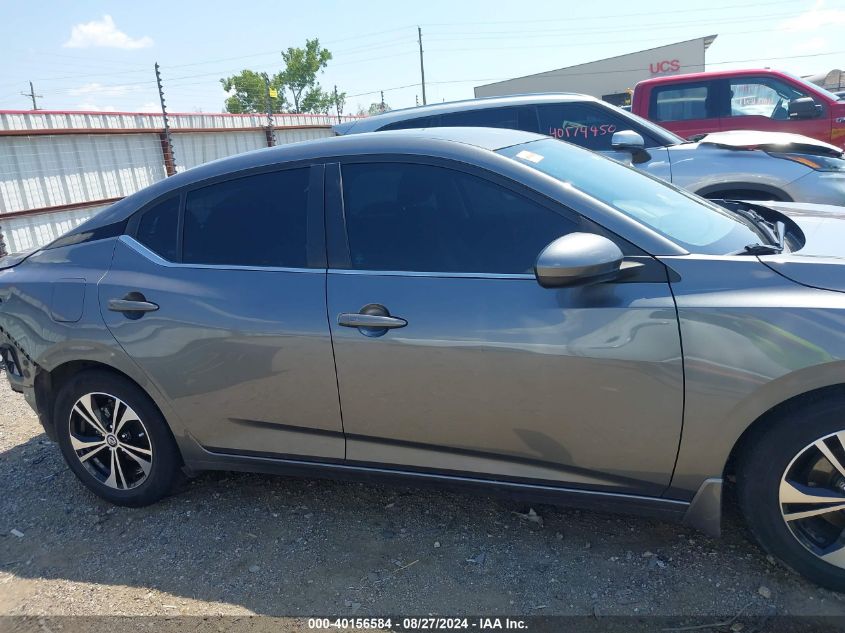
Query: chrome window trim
<point x="410" y="273"/>
<point x="154" y="257"/>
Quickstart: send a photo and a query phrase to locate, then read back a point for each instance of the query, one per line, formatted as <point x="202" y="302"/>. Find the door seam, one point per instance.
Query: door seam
<point x="683" y="389"/>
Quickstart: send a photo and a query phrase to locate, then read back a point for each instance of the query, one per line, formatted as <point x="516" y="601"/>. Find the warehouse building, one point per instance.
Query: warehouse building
<point x="610" y="79"/>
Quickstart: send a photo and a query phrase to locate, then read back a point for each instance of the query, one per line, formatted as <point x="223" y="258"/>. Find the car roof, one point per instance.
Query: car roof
<point x="452" y="141"/>
<point x="372" y="123"/>
<point x="710" y="74"/>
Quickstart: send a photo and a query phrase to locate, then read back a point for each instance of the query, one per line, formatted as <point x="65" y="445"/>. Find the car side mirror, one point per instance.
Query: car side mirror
<point x="578" y="259"/>
<point x="804" y="108"/>
<point x="630" y="141"/>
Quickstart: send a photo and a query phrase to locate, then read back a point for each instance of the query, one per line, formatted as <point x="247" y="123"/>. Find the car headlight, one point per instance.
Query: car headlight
<point x="814" y="161"/>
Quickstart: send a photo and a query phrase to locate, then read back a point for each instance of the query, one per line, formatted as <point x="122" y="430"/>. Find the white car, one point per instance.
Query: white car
<point x="740" y="165"/>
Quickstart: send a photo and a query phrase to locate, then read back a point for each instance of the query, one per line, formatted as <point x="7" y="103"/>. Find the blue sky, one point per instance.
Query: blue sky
<point x="90" y="54"/>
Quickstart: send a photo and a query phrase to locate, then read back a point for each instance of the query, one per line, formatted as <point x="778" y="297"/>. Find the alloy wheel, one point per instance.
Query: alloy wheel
<point x="812" y="498"/>
<point x="110" y="441"/>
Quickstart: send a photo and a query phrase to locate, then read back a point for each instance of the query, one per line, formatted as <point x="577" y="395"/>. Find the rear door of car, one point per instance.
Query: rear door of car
<point x="218" y="293"/>
<point x="687" y="108"/>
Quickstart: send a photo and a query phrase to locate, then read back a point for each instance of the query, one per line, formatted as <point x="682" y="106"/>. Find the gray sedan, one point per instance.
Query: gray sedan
<point x="739" y="165"/>
<point x="465" y="306"/>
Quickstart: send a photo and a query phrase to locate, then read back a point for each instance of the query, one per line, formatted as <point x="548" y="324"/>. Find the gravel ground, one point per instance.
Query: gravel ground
<point x="236" y="544"/>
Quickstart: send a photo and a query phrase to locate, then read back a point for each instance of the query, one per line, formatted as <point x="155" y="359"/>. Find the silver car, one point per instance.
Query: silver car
<point x="740" y="165"/>
<point x="469" y="306"/>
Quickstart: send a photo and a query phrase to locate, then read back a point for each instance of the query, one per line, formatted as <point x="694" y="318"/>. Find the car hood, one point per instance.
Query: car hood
<point x="770" y="142"/>
<point x="820" y="262"/>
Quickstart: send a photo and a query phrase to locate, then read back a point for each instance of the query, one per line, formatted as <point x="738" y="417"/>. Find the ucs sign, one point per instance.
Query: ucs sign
<point x="665" y="66"/>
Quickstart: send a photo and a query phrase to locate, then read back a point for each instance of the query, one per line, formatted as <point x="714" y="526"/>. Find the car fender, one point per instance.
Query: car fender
<point x="746" y="351"/>
<point x="51" y="317"/>
<point x="704" y="169"/>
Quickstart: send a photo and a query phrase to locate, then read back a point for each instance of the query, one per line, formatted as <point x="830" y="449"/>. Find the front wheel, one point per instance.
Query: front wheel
<point x="791" y="486"/>
<point x="115" y="440"/>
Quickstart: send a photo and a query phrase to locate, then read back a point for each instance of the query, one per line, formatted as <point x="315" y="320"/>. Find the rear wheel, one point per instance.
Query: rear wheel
<point x="115" y="440"/>
<point x="791" y="486"/>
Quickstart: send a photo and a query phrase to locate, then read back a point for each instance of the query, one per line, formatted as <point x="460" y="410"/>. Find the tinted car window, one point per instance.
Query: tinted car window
<point x="252" y="221"/>
<point x="585" y="124"/>
<point x="684" y="102"/>
<point x="410" y="124"/>
<point x="515" y="118"/>
<point x="421" y="218"/>
<point x="763" y="96"/>
<point x="511" y="118"/>
<point x="157" y="229"/>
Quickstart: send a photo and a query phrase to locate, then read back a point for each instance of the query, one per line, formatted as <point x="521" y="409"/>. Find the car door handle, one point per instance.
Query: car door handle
<point x="355" y="319"/>
<point x="132" y="305"/>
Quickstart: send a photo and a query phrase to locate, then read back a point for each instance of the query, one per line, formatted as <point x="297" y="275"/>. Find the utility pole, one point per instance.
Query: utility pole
<point x="271" y="129"/>
<point x="336" y="103"/>
<point x="31" y="94"/>
<point x="422" y="67"/>
<point x="166" y="140"/>
<point x="381" y="106"/>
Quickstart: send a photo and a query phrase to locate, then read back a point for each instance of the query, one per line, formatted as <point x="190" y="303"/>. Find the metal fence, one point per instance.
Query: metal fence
<point x="57" y="169"/>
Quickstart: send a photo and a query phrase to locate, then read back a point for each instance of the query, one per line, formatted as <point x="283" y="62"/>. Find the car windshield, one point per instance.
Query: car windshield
<point x="827" y="93"/>
<point x="691" y="222"/>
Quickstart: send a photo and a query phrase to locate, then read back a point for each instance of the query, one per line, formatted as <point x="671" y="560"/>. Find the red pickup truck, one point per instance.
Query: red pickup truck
<point x="770" y="100"/>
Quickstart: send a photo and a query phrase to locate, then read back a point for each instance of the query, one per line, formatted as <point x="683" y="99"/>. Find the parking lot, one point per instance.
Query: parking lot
<point x="244" y="544"/>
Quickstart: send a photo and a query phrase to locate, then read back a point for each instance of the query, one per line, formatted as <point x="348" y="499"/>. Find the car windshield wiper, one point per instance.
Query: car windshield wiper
<point x="760" y="249"/>
<point x="772" y="232"/>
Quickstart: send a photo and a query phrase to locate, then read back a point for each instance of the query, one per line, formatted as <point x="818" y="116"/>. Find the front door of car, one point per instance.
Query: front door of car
<point x="762" y="103"/>
<point x="223" y="307"/>
<point x="451" y="357"/>
<point x="592" y="126"/>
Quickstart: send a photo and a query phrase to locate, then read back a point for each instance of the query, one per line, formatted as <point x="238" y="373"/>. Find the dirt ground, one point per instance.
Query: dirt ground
<point x="236" y="544"/>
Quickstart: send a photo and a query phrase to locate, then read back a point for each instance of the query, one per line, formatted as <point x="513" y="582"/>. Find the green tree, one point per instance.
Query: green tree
<point x="248" y="93"/>
<point x="319" y="101"/>
<point x="298" y="79"/>
<point x="376" y="108"/>
<point x="299" y="76"/>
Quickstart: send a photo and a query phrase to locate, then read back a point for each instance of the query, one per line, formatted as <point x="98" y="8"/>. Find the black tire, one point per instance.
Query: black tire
<point x="165" y="469"/>
<point x="764" y="462"/>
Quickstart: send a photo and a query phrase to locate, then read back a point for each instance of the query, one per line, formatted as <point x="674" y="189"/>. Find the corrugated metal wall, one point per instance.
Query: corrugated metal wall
<point x="49" y="120"/>
<point x="191" y="149"/>
<point x="56" y="159"/>
<point x="49" y="170"/>
<point x="29" y="231"/>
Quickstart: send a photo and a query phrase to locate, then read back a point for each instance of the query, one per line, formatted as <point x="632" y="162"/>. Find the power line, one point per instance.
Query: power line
<point x="451" y="36"/>
<point x="498" y="35"/>
<point x="562" y="73"/>
<point x="639" y="42"/>
<point x="618" y="15"/>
